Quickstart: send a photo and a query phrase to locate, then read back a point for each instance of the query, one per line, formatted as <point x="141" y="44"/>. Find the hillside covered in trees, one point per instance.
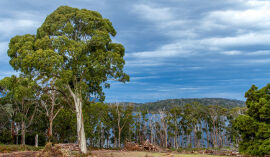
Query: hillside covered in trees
<point x="170" y="103"/>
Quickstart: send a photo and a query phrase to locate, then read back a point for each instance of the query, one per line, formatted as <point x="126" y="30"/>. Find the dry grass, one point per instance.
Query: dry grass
<point x="51" y="151"/>
<point x="17" y="148"/>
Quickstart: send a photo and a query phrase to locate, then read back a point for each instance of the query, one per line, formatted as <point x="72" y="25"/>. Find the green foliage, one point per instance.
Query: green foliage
<point x="65" y="126"/>
<point x="99" y="119"/>
<point x="73" y="46"/>
<point x="22" y="93"/>
<point x="5" y="136"/>
<point x="94" y="118"/>
<point x="254" y="127"/>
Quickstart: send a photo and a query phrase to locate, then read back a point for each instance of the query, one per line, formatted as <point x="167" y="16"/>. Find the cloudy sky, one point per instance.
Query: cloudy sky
<point x="174" y="48"/>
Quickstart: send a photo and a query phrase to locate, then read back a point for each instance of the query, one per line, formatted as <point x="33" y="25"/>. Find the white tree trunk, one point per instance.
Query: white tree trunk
<point x="80" y="126"/>
<point x="80" y="122"/>
<point x="23" y="133"/>
<point x="36" y="140"/>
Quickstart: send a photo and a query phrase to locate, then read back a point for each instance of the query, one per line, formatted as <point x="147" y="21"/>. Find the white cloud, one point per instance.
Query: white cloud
<point x="12" y="26"/>
<point x="164" y="19"/>
<point x="143" y="63"/>
<point x="144" y="78"/>
<point x="252" y="53"/>
<point x="20" y="22"/>
<point x="190" y="88"/>
<point x="259" y="38"/>
<point x="257" y="53"/>
<point x="3" y="50"/>
<point x="190" y="36"/>
<point x="153" y="13"/>
<point x="164" y="51"/>
<point x="257" y="3"/>
<point x="231" y="52"/>
<point x="257" y="17"/>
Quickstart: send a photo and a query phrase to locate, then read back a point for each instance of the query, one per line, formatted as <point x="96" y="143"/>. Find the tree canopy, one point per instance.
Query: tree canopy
<point x="254" y="127"/>
<point x="74" y="46"/>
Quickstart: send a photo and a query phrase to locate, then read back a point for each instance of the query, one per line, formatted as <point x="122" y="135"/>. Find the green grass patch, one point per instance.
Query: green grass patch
<point x="15" y="148"/>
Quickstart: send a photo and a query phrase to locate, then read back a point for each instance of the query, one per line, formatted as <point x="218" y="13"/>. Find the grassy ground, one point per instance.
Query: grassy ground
<point x="16" y="148"/>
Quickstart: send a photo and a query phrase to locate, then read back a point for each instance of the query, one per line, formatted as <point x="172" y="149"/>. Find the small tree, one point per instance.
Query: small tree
<point x="52" y="102"/>
<point x="124" y="115"/>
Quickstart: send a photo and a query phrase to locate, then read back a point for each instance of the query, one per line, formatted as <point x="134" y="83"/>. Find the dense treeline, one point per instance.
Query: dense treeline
<point x="31" y="113"/>
<point x="169" y="103"/>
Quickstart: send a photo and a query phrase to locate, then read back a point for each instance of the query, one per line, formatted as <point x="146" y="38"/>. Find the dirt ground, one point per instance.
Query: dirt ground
<point x="107" y="153"/>
<point x="111" y="153"/>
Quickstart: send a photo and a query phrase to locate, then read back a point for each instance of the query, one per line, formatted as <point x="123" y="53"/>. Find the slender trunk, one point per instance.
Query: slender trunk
<point x="220" y="139"/>
<point x="80" y="122"/>
<point x="182" y="139"/>
<point x="166" y="138"/>
<point x="119" y="126"/>
<point x="207" y="138"/>
<point x="176" y="135"/>
<point x="36" y="140"/>
<point x="201" y="137"/>
<point x="195" y="136"/>
<point x="151" y="132"/>
<point x="23" y="133"/>
<point x="215" y="135"/>
<point x="119" y="138"/>
<point x="107" y="141"/>
<point x="190" y="140"/>
<point x="212" y="139"/>
<point x="50" y="130"/>
<point x="80" y="127"/>
<point x="12" y="127"/>
<point x="115" y="139"/>
<point x="174" y="141"/>
<point x="102" y="142"/>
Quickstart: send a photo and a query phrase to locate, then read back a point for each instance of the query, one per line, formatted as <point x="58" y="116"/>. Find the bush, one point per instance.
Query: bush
<point x="5" y="136"/>
<point x="51" y="151"/>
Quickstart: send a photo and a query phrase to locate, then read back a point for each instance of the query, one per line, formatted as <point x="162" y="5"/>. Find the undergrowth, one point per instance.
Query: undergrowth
<point x="15" y="148"/>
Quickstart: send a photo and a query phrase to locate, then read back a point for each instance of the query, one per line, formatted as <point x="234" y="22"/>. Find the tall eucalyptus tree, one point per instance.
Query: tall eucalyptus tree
<point x="74" y="46"/>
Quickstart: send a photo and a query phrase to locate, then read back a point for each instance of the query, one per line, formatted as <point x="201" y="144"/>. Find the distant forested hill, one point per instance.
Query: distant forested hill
<point x="169" y="103"/>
